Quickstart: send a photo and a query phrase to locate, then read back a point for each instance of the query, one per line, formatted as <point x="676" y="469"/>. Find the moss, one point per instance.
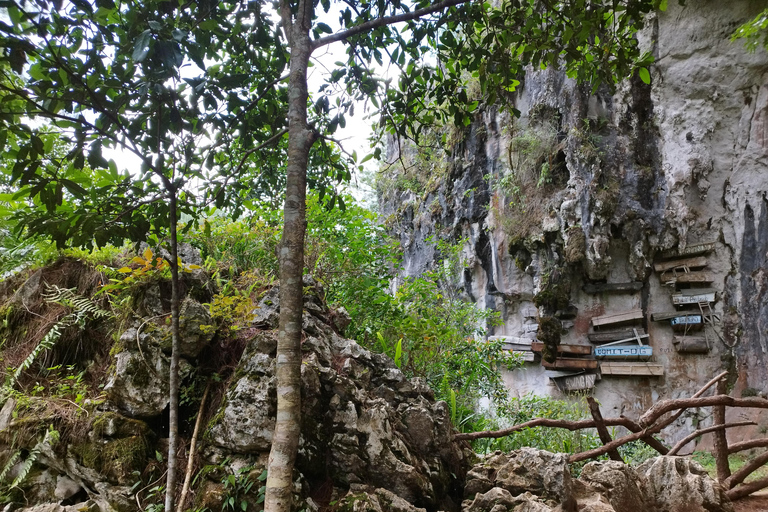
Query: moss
<point x="116" y="459"/>
<point x="139" y="372"/>
<point x="119" y="426"/>
<point x="555" y="292"/>
<point x="576" y="245"/>
<point x="550" y="330"/>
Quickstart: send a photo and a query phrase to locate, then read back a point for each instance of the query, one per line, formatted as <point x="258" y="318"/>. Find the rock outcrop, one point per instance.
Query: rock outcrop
<point x="532" y="480"/>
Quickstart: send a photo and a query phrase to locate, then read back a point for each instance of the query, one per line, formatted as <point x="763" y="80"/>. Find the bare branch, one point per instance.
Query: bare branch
<point x="749" y="468"/>
<point x="715" y="428"/>
<point x="381" y="22"/>
<point x="747" y="489"/>
<point x="664" y="406"/>
<point x="602" y="431"/>
<point x="747" y="445"/>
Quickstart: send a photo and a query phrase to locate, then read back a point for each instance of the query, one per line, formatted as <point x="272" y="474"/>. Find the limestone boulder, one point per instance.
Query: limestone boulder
<point x="138" y="382"/>
<point x="680" y="484"/>
<point x="621" y="485"/>
<point x="543" y="474"/>
<point x="501" y="500"/>
<point x="195" y="328"/>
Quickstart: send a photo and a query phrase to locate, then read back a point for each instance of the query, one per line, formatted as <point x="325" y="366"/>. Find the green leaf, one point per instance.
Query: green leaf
<point x="141" y="47"/>
<point x="645" y="76"/>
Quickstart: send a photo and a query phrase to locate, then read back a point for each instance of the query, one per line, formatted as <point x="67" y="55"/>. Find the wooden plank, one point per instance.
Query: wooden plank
<point x="616" y="318"/>
<point x="605" y="337"/>
<point x="528" y="357"/>
<point x="660" y="317"/>
<point x="565" y="349"/>
<point x="633" y="286"/>
<point x="581" y="382"/>
<point x="624" y="351"/>
<point x="681" y="299"/>
<point x="562" y="363"/>
<point x="696" y="262"/>
<point x="512" y="339"/>
<point x="517" y="346"/>
<point x="688" y="277"/>
<point x="695" y="291"/>
<point x="690" y="250"/>
<point x="691" y="344"/>
<point x="631" y="368"/>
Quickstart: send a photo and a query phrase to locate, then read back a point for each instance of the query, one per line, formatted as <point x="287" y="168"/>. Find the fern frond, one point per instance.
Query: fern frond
<point x="26" y="467"/>
<point x="47" y="343"/>
<point x="68" y="297"/>
<point x="8" y="465"/>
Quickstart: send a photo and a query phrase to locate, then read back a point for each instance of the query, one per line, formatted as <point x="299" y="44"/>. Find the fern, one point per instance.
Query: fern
<point x="83" y="309"/>
<point x="26" y="467"/>
<point x="8" y="465"/>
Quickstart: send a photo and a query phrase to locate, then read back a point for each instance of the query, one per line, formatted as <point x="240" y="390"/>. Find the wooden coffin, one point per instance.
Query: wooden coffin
<point x="693" y="296"/>
<point x="584" y="350"/>
<point x="696" y="262"/>
<point x="564" y="363"/>
<point x="528" y="357"/>
<point x="633" y="286"/>
<point x="691" y="250"/>
<point x="631" y="369"/>
<point x="702" y="277"/>
<point x="624" y="351"/>
<point x="617" y="318"/>
<point x="687" y="322"/>
<point x="575" y="382"/>
<point x="691" y="344"/>
<point x="620" y="334"/>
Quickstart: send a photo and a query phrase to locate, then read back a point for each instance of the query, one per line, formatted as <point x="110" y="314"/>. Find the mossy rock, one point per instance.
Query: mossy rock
<point x="576" y="245"/>
<point x="115" y="425"/>
<point x="117" y="460"/>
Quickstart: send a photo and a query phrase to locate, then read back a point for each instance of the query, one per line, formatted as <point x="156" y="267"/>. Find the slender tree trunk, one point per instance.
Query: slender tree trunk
<point x="173" y="420"/>
<point x="721" y="439"/>
<point x="285" y="440"/>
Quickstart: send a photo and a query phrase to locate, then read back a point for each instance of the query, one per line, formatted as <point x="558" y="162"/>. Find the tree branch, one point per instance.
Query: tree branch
<point x="747" y="445"/>
<point x="381" y="22"/>
<point x="696" y="433"/>
<point x="747" y="489"/>
<point x="664" y="406"/>
<point x="749" y="468"/>
<point x="602" y="431"/>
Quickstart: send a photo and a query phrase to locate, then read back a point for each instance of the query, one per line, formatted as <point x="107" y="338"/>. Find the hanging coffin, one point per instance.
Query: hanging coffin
<point x="691" y="344"/>
<point x="687" y="322"/>
<point x="694" y="296"/>
<point x="575" y="382"/>
<point x="624" y="351"/>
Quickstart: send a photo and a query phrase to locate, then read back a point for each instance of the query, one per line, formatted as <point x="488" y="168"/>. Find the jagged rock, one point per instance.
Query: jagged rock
<point x="246" y="421"/>
<point x="541" y="473"/>
<point x="501" y="500"/>
<point x="27" y="291"/>
<point x="679" y="484"/>
<point x="380" y="500"/>
<point x="138" y="382"/>
<point x="619" y="483"/>
<point x="193" y="336"/>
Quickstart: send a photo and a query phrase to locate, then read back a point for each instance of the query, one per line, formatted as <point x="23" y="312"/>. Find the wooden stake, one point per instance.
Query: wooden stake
<point x="721" y="441"/>
<point x="602" y="431"/>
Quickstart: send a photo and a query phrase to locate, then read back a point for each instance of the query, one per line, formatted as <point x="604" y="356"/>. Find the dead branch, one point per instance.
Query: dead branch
<point x="747" y="489"/>
<point x="596" y="452"/>
<point x="648" y="439"/>
<point x="715" y="428"/>
<point x="700" y="392"/>
<point x="749" y="468"/>
<point x="747" y="445"/>
<point x="538" y="422"/>
<point x="602" y="431"/>
<point x="664" y="406"/>
<point x="192" y="449"/>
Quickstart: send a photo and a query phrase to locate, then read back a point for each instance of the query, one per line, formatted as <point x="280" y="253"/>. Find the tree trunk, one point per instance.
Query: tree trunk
<point x="721" y="440"/>
<point x="285" y="440"/>
<point x="173" y="407"/>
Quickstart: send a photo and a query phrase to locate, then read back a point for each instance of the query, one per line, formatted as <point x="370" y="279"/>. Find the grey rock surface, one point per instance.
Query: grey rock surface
<point x="679" y="484"/>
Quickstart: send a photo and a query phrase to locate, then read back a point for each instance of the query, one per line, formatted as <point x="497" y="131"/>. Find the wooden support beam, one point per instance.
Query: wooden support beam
<point x="602" y="431"/>
<point x="633" y="286"/>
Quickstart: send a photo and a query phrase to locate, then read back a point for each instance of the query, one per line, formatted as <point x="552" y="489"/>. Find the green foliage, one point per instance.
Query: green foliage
<point x="555" y="440"/>
<point x="49" y="438"/>
<point x="240" y="488"/>
<point x="754" y="32"/>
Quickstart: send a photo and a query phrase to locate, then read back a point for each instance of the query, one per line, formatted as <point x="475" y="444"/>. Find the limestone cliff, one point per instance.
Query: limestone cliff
<point x="591" y="189"/>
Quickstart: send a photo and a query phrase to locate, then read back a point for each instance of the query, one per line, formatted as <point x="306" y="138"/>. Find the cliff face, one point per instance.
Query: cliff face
<point x="585" y="190"/>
